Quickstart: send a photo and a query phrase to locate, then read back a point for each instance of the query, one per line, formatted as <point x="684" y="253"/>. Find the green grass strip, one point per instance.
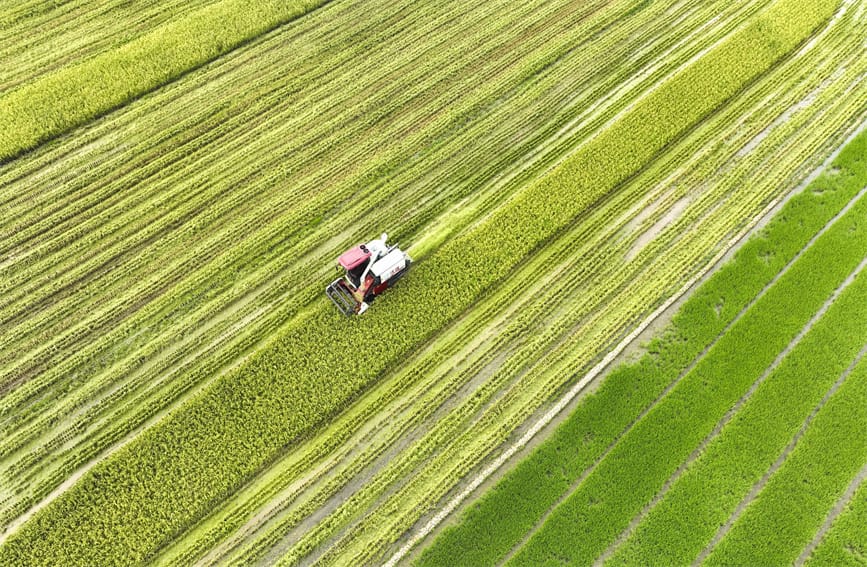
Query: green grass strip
<point x="785" y="515"/>
<point x="685" y="521"/>
<point x="81" y="92"/>
<point x="583" y="526"/>
<point x="498" y="521"/>
<point x="134" y="503"/>
<point x="845" y="544"/>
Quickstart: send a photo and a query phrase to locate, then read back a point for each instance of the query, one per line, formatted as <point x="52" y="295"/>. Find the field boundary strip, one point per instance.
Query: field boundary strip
<point x="73" y="95"/>
<point x="831" y="537"/>
<point x="838" y="509"/>
<point x="719" y="259"/>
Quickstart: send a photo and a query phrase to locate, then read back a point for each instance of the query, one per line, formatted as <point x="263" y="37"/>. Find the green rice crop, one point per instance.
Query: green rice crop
<point x="781" y="521"/>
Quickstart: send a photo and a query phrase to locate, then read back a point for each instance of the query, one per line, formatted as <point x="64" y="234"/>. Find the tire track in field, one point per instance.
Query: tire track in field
<point x="760" y="484"/>
<point x="690" y="286"/>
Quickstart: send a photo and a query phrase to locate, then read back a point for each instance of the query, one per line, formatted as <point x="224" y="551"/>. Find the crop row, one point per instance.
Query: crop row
<point x="39" y="37"/>
<point x="846" y="542"/>
<point x="330" y="522"/>
<point x="76" y="94"/>
<point x="66" y="369"/>
<point x="790" y="508"/>
<point x="520" y="499"/>
<point x="679" y="527"/>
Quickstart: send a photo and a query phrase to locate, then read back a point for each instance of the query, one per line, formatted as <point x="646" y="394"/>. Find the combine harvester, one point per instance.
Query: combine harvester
<point x="370" y="269"/>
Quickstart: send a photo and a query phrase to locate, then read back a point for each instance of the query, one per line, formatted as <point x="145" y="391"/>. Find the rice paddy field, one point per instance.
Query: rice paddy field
<point x="633" y="332"/>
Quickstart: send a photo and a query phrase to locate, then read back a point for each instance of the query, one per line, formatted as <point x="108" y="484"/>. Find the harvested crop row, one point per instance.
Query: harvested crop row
<point x="48" y="36"/>
<point x="74" y="95"/>
<point x="55" y="262"/>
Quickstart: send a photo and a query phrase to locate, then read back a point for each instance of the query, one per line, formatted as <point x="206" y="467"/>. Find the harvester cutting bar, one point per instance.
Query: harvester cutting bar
<point x="341" y="297"/>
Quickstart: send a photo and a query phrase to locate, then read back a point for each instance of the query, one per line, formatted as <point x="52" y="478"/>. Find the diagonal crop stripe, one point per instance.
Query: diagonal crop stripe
<point x="134" y="503"/>
<point x="76" y="94"/>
